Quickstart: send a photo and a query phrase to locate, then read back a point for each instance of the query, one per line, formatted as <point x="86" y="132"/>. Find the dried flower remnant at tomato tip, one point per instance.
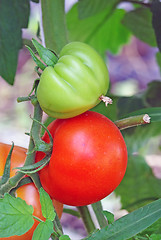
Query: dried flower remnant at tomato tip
<point x="106" y="100"/>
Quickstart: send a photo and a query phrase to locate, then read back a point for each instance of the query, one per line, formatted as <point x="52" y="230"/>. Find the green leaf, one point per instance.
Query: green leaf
<point x="103" y="31"/>
<point x="139" y="22"/>
<point x="139" y="186"/>
<point x="48" y="57"/>
<point x="156" y="20"/>
<point x="154" y="231"/>
<point x="15" y="216"/>
<point x="46" y="205"/>
<point x="155" y="237"/>
<point x="64" y="237"/>
<point x="13" y="17"/>
<point x="131" y="224"/>
<point x="43" y="230"/>
<point x="87" y="8"/>
<point x="109" y="216"/>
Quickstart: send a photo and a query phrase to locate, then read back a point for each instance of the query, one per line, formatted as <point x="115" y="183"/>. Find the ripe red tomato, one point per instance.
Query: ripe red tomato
<point x="28" y="192"/>
<point x="88" y="161"/>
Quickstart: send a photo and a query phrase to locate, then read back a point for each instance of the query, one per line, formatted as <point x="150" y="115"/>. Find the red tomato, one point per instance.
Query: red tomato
<point x="28" y="192"/>
<point x="88" y="161"/>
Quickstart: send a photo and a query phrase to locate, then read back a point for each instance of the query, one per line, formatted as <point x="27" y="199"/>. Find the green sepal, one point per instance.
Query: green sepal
<point x="6" y="173"/>
<point x="33" y="168"/>
<point x="36" y="60"/>
<point x="47" y="56"/>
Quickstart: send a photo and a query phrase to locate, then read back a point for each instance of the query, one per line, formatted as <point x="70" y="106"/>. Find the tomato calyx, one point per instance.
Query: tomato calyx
<point x="105" y="99"/>
<point x="48" y="57"/>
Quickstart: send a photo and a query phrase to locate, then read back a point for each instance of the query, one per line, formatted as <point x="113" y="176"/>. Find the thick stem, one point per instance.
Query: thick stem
<point x="30" y="158"/>
<point x="133" y="121"/>
<point x="86" y="217"/>
<point x="98" y="210"/>
<point x="54" y="28"/>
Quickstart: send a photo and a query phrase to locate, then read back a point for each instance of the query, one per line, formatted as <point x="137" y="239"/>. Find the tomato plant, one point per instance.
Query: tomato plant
<point x="88" y="161"/>
<point x="75" y="83"/>
<point x="27" y="192"/>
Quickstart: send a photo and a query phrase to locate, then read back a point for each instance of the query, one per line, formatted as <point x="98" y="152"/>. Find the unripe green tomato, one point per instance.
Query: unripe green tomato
<point x="75" y="83"/>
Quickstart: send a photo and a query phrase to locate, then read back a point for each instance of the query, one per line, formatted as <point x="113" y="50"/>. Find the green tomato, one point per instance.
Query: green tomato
<point x="75" y="83"/>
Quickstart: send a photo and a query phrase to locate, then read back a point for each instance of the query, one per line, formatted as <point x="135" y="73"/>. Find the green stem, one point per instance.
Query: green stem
<point x="30" y="158"/>
<point x="86" y="217"/>
<point x="133" y="121"/>
<point x="98" y="210"/>
<point x="54" y="24"/>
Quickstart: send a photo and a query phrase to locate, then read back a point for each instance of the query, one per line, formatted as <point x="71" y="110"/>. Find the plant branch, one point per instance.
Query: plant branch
<point x="30" y="158"/>
<point x="86" y="217"/>
<point x="98" y="210"/>
<point x="132" y="121"/>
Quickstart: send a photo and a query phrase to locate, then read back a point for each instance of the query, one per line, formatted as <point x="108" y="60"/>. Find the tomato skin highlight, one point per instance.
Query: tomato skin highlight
<point x="27" y="192"/>
<point x="75" y="83"/>
<point x="88" y="161"/>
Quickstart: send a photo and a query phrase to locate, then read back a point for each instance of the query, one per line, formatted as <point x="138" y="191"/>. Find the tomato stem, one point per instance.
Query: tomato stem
<point x="133" y="121"/>
<point x="86" y="217"/>
<point x="98" y="210"/>
<point x="30" y="157"/>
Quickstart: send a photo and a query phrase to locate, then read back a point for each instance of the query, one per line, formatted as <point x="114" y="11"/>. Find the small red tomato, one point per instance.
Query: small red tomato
<point x="88" y="161"/>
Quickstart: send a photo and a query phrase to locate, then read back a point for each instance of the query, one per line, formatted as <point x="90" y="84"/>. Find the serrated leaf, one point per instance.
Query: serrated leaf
<point x="45" y="54"/>
<point x="156" y="20"/>
<point x="103" y="31"/>
<point x="15" y="216"/>
<point x="87" y="8"/>
<point x="131" y="224"/>
<point x="139" y="22"/>
<point x="46" y="205"/>
<point x="13" y="17"/>
<point x="43" y="230"/>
